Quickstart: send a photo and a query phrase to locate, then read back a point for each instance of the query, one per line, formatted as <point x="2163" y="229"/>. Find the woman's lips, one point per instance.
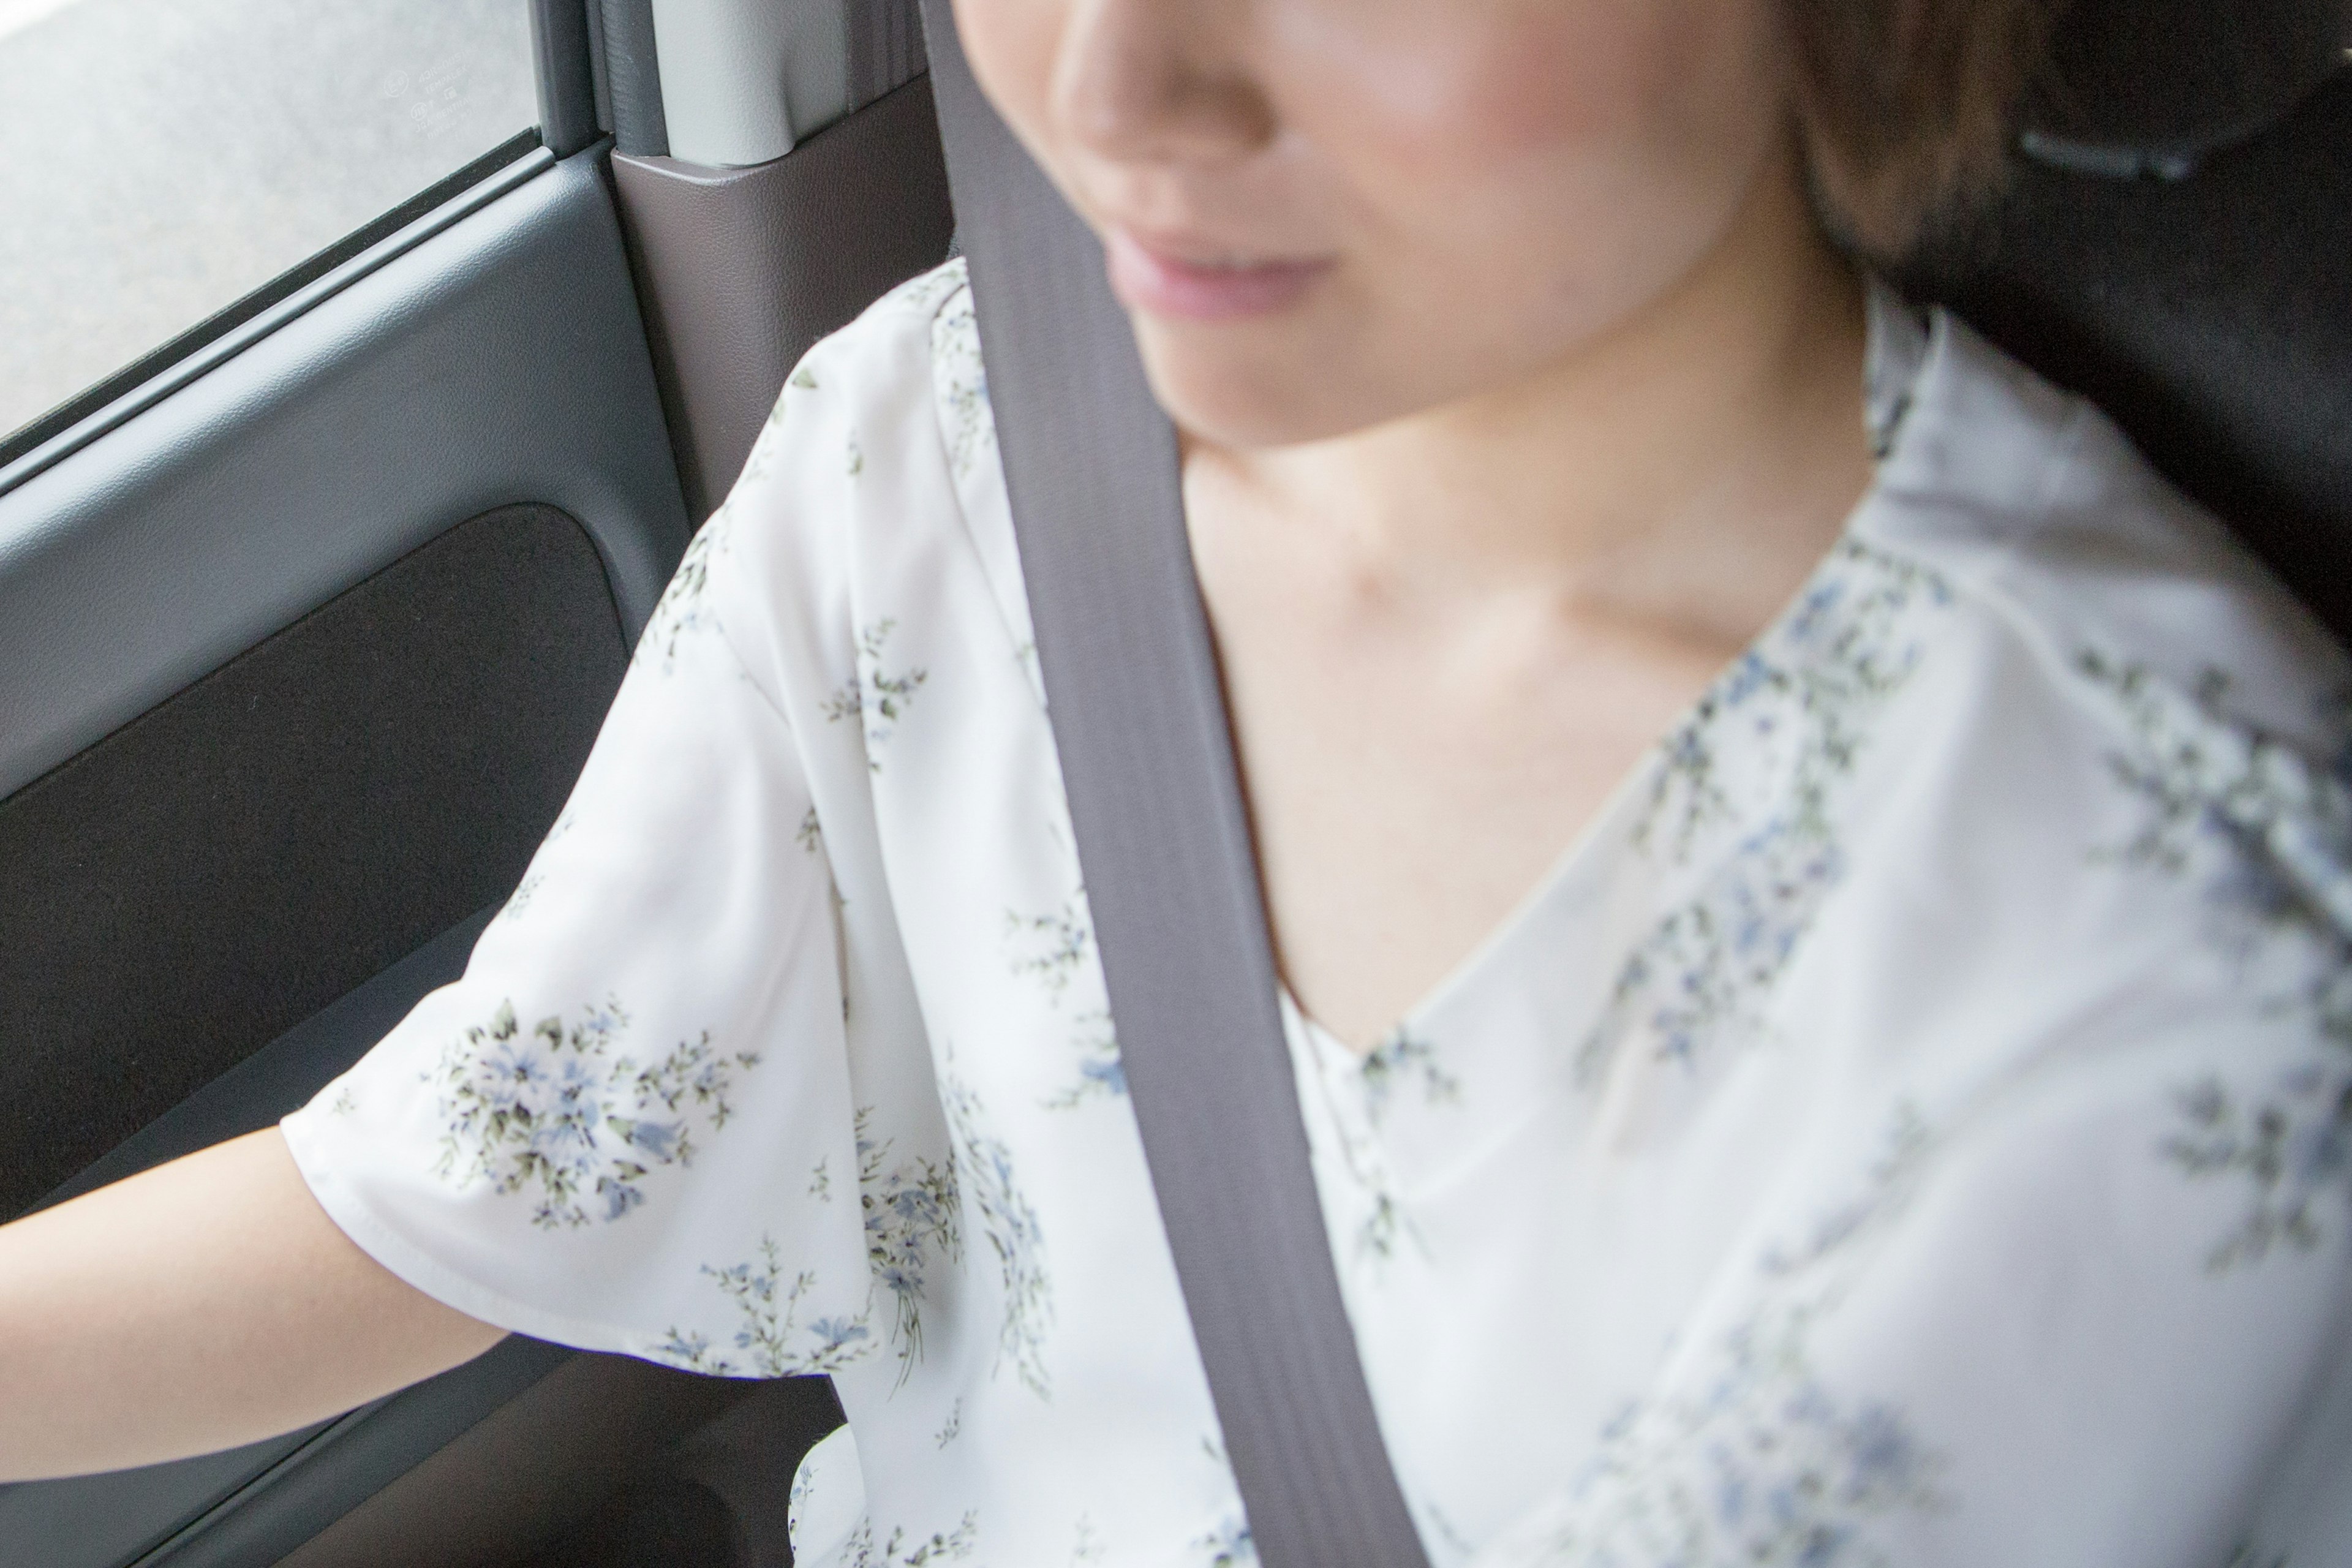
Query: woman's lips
<point x="1162" y="285"/>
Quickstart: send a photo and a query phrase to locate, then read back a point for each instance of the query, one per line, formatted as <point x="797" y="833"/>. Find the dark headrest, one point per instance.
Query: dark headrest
<point x="2165" y="83"/>
<point x="2158" y="85"/>
<point x="2210" y="313"/>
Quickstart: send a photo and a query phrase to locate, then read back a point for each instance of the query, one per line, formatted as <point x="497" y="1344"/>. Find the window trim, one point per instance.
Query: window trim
<point x="85" y="416"/>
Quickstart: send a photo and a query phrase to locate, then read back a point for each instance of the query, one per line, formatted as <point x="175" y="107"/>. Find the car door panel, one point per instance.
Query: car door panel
<point x="261" y="843"/>
<point x="119" y="1516"/>
<point x="300" y="647"/>
<point x="302" y="640"/>
<point x="502" y="359"/>
<point x="256" y="1504"/>
<point x="193" y="884"/>
<point x="283" y="1075"/>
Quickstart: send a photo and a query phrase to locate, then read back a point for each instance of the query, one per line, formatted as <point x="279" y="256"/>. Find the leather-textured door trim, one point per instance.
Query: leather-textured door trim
<point x="744" y="268"/>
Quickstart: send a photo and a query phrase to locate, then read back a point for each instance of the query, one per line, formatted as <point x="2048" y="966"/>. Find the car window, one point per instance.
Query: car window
<point x="161" y="160"/>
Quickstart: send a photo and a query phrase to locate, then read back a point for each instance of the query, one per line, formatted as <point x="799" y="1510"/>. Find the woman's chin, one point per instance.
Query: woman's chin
<point x="1228" y="396"/>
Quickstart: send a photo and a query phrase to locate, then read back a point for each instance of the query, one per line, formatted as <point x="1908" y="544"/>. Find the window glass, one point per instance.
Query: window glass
<point x="162" y="159"/>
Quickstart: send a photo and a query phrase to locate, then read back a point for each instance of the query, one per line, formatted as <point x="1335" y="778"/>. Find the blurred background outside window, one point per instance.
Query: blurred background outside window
<point x="162" y="159"/>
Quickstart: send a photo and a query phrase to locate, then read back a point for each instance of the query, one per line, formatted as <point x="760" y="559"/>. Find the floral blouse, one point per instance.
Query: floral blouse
<point x="1912" y="1126"/>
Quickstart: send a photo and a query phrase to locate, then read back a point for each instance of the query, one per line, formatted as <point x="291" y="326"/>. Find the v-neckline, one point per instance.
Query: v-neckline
<point x="1901" y="352"/>
<point x="1540" y="895"/>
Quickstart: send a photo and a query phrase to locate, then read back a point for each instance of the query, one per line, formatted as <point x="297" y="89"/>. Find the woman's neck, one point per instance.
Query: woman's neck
<point x="1682" y="472"/>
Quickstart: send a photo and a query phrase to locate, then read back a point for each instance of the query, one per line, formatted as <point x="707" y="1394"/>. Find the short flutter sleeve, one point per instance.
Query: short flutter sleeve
<point x="623" y="1129"/>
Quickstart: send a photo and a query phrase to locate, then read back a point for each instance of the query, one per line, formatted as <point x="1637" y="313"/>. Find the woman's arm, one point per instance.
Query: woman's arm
<point x="205" y="1303"/>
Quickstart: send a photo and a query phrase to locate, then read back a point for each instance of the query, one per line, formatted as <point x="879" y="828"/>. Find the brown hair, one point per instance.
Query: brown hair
<point x="1907" y="107"/>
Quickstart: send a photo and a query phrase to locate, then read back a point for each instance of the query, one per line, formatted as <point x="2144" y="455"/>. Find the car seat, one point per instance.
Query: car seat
<point x="2177" y="245"/>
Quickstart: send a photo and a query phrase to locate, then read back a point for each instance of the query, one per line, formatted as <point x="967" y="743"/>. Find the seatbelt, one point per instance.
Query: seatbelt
<point x="1164" y="842"/>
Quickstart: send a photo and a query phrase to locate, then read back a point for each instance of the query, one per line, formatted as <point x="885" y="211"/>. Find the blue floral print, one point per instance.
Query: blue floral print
<point x="770" y="1341"/>
<point x="984" y="1173"/>
<point x="1102" y="1074"/>
<point x="1052" y="948"/>
<point x="1404" y="1060"/>
<point x="559" y="1111"/>
<point x="1705" y="967"/>
<point x="1764" y="1466"/>
<point x="1811" y="687"/>
<point x="913" y="1224"/>
<point x="1228" y="1545"/>
<point x="1811" y="692"/>
<point x="1404" y="1056"/>
<point x="1055" y="949"/>
<point x="1760" y="1461"/>
<point x="2292" y="1145"/>
<point x="903" y="1551"/>
<point x="2268" y="835"/>
<point x="682" y="609"/>
<point x="961" y="383"/>
<point x="875" y="698"/>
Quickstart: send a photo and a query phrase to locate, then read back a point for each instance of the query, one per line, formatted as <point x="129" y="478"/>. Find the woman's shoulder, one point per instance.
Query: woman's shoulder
<point x="884" y="359"/>
<point x="2139" y="725"/>
<point x="877" y="457"/>
<point x="897" y="390"/>
<point x="2059" y="536"/>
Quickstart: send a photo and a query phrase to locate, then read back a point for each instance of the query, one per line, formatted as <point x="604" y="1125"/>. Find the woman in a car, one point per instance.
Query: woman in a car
<point x="1812" y="888"/>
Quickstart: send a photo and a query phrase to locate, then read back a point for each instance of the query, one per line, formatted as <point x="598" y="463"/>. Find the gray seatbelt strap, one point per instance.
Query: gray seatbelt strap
<point x="1139" y="717"/>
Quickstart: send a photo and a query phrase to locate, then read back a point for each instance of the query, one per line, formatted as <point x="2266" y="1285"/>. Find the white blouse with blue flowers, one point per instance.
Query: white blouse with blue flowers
<point x="1913" y="1126"/>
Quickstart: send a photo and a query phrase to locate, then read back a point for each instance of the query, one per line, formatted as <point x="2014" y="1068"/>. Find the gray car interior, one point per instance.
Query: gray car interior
<point x="744" y="269"/>
<point x="304" y="632"/>
<point x="368" y="746"/>
<point x="306" y="635"/>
